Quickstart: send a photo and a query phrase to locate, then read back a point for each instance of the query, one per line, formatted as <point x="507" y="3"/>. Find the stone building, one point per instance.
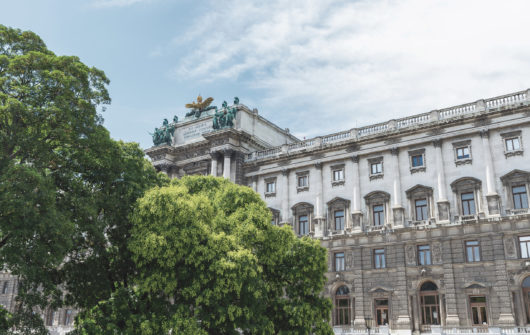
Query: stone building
<point x="425" y="218"/>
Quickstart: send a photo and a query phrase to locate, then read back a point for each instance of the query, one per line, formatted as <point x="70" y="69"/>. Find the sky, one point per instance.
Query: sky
<point x="315" y="67"/>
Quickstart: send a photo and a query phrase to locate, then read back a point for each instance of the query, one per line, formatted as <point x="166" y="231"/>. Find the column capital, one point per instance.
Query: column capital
<point x="215" y="154"/>
<point x="285" y="172"/>
<point x="394" y="151"/>
<point x="437" y="143"/>
<point x="484" y="133"/>
<point x="227" y="152"/>
<point x="355" y="158"/>
<point x="318" y="165"/>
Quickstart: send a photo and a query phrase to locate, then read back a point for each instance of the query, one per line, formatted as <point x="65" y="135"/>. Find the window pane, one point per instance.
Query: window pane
<point x="417" y="160"/>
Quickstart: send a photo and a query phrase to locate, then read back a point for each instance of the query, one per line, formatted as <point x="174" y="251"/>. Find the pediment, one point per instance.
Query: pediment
<point x="381" y="289"/>
<point x="419" y="189"/>
<point x="515" y="175"/>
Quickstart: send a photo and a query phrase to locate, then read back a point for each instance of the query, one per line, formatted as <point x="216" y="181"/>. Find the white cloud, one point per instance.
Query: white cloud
<point x="344" y="64"/>
<point x="116" y="3"/>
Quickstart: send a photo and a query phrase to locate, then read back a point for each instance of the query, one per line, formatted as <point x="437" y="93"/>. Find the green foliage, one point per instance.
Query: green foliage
<point x="66" y="188"/>
<point x="207" y="256"/>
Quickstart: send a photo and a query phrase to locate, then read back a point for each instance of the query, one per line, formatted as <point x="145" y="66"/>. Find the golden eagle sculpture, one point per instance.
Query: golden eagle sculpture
<point x="200" y="106"/>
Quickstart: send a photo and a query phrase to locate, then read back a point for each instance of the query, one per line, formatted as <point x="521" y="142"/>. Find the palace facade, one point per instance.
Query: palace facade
<point x="425" y="218"/>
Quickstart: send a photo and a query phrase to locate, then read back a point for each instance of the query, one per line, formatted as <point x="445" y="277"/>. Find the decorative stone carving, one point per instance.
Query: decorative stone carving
<point x="437" y="253"/>
<point x="410" y="253"/>
<point x="509" y="247"/>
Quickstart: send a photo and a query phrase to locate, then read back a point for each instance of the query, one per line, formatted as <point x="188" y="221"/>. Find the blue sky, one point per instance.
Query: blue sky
<point x="315" y="67"/>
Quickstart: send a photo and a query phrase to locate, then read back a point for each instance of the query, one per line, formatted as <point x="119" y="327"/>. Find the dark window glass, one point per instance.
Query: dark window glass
<point x="303" y="225"/>
<point x="379" y="215"/>
<point x="339" y="220"/>
<point x="512" y="144"/>
<point x="339" y="261"/>
<point x="424" y="255"/>
<point x="524" y="245"/>
<point x="430" y="306"/>
<point x="472" y="251"/>
<point x="381" y="312"/>
<point x="421" y="209"/>
<point x="417" y="160"/>
<point x="342" y="307"/>
<point x="462" y="152"/>
<point x="478" y="310"/>
<point x="5" y="288"/>
<point x="468" y="203"/>
<point x="379" y="259"/>
<point x="520" y="198"/>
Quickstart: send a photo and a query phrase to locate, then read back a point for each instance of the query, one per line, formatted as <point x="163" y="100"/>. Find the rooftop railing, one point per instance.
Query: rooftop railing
<point x="442" y="115"/>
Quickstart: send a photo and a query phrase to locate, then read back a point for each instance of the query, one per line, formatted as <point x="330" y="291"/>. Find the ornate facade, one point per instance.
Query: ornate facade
<point x="425" y="218"/>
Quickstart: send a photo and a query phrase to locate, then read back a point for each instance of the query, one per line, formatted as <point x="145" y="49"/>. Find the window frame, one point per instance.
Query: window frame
<point x="306" y="225"/>
<point x="511" y="136"/>
<point x="526" y="249"/>
<point x="340" y="170"/>
<point x="379" y="258"/>
<point x="342" y="266"/>
<point x="377" y="198"/>
<point x="476" y="250"/>
<point x="512" y="179"/>
<point x="519" y="193"/>
<point x="302" y="175"/>
<point x="466" y="204"/>
<point x="340" y="311"/>
<point x="380" y="214"/>
<point x="462" y="145"/>
<point x="267" y="181"/>
<point x="335" y="217"/>
<point x="479" y="305"/>
<point x="378" y="308"/>
<point x="417" y="168"/>
<point x="424" y="261"/>
<point x="378" y="162"/>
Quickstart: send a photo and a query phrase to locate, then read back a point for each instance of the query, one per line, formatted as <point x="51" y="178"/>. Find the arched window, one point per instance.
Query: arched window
<point x="526" y="297"/>
<point x="430" y="304"/>
<point x="342" y="306"/>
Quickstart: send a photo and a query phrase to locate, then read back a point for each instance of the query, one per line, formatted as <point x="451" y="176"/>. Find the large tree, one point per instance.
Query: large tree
<point x="209" y="262"/>
<point x="66" y="188"/>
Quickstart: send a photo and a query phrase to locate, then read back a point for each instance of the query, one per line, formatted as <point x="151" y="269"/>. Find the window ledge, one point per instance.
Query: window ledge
<point x="270" y="194"/>
<point x="302" y="189"/>
<point x="511" y="153"/>
<point x="376" y="176"/>
<point x="417" y="169"/>
<point x="520" y="211"/>
<point x="463" y="161"/>
<point x="337" y="183"/>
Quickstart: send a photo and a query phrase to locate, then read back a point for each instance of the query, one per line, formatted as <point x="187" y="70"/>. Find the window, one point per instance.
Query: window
<point x="377" y="168"/>
<point x="381" y="311"/>
<point x="421" y="209"/>
<point x="342" y="314"/>
<point x="379" y="259"/>
<point x="302" y="181"/>
<point x="479" y="316"/>
<point x="271" y="187"/>
<point x="5" y="287"/>
<point x="379" y="215"/>
<point x="338" y="175"/>
<point x="339" y="220"/>
<point x="339" y="261"/>
<point x="462" y="153"/>
<point x="49" y="317"/>
<point x="424" y="255"/>
<point x="526" y="297"/>
<point x="430" y="304"/>
<point x="520" y="198"/>
<point x="512" y="144"/>
<point x="303" y="225"/>
<point x="524" y="246"/>
<point x="472" y="251"/>
<point x="468" y="203"/>
<point x="275" y="216"/>
<point x="68" y="313"/>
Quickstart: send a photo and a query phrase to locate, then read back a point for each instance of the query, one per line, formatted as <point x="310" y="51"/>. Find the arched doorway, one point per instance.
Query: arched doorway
<point x="526" y="297"/>
<point x="342" y="309"/>
<point x="430" y="304"/>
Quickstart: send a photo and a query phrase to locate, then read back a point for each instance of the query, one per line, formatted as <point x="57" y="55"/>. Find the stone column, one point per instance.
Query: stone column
<point x="215" y="157"/>
<point x="319" y="219"/>
<point x="502" y="283"/>
<point x="358" y="290"/>
<point x="285" y="196"/>
<point x="356" y="196"/>
<point x="255" y="183"/>
<point x="397" y="207"/>
<point x="226" y="166"/>
<point x="491" y="193"/>
<point x="400" y="297"/>
<point x="451" y="318"/>
<point x="443" y="203"/>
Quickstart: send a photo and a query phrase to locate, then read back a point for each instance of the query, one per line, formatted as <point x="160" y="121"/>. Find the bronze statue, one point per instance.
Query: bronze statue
<point x="200" y="106"/>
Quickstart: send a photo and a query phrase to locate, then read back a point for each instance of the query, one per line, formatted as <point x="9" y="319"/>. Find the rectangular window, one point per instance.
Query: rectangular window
<point x="303" y="181"/>
<point x="338" y="175"/>
<point x="339" y="220"/>
<point x="462" y="152"/>
<point x="468" y="203"/>
<point x="417" y="160"/>
<point x="5" y="287"/>
<point x="379" y="215"/>
<point x="421" y="209"/>
<point x="520" y="198"/>
<point x="512" y="144"/>
<point x="479" y="314"/>
<point x="377" y="168"/>
<point x="339" y="261"/>
<point x="379" y="259"/>
<point x="424" y="255"/>
<point x="68" y="313"/>
<point x="472" y="251"/>
<point x="303" y="225"/>
<point x="381" y="311"/>
<point x="271" y="187"/>
<point x="524" y="246"/>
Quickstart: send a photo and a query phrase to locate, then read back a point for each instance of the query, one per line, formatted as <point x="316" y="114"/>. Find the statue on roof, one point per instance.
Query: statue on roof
<point x="200" y="106"/>
<point x="164" y="134"/>
<point x="224" y="118"/>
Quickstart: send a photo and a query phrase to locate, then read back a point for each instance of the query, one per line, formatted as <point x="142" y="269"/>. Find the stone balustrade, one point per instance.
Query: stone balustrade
<point x="442" y="115"/>
<point x="438" y="330"/>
